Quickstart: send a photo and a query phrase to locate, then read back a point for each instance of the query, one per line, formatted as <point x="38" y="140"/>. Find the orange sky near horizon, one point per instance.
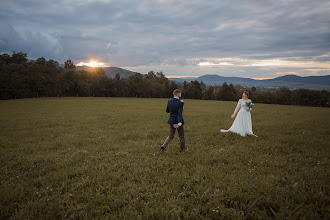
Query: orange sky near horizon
<point x="224" y="66"/>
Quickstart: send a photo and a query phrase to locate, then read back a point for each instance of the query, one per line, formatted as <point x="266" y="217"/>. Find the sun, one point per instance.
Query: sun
<point x="92" y="63"/>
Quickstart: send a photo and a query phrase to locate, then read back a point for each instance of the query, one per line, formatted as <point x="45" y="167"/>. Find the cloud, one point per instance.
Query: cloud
<point x="173" y="35"/>
<point x="286" y="73"/>
<point x="28" y="41"/>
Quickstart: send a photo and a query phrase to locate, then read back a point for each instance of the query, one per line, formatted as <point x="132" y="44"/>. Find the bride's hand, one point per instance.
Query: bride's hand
<point x="233" y="116"/>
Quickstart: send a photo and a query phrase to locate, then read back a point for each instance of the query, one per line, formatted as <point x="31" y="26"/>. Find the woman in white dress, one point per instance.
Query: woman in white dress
<point x="243" y="123"/>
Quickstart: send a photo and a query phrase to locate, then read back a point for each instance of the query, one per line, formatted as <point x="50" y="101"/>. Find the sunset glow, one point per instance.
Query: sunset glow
<point x="92" y="63"/>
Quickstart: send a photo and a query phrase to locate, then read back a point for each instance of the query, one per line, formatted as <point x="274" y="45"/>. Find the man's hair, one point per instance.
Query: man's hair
<point x="176" y="92"/>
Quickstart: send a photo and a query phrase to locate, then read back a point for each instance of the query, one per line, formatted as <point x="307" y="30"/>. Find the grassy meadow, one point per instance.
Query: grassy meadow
<point x="97" y="158"/>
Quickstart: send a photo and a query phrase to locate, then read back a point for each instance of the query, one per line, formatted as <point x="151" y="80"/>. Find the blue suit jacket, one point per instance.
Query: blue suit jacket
<point x="175" y="108"/>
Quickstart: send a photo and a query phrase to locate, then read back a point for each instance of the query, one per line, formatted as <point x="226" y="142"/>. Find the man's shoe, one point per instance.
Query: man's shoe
<point x="185" y="150"/>
<point x="162" y="149"/>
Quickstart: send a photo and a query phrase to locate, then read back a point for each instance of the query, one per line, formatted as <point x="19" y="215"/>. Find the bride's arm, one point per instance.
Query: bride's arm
<point x="237" y="108"/>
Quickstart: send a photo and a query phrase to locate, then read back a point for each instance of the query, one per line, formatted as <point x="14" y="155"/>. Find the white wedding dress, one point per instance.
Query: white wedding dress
<point x="243" y="123"/>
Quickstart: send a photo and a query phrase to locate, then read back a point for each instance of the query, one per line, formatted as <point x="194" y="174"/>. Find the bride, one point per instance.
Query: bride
<point x="243" y="123"/>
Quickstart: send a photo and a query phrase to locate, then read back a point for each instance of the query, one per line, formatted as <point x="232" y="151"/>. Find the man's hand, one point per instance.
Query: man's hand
<point x="233" y="116"/>
<point x="176" y="125"/>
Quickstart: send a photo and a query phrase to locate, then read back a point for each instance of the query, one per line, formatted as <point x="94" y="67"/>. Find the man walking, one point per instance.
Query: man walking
<point x="175" y="108"/>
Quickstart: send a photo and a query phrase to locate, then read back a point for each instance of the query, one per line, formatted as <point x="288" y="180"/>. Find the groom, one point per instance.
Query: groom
<point x="175" y="108"/>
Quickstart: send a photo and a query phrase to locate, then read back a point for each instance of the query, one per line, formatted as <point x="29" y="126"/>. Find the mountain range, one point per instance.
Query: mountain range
<point x="289" y="81"/>
<point x="110" y="71"/>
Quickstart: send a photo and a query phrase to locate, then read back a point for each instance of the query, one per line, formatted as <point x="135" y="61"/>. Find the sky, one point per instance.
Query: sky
<point x="244" y="38"/>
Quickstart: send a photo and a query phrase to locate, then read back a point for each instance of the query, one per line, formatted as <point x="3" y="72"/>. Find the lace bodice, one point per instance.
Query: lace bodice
<point x="242" y="104"/>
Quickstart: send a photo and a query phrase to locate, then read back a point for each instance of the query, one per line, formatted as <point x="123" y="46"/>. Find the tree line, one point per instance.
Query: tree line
<point x="20" y="78"/>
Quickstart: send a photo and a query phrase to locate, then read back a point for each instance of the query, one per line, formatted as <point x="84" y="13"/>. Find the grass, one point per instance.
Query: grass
<point x="97" y="158"/>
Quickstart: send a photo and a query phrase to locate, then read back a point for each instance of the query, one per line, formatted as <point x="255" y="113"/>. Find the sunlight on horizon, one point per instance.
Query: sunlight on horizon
<point x="92" y="63"/>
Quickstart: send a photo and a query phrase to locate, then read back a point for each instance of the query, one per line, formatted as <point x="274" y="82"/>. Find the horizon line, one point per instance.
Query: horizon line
<point x="262" y="78"/>
<point x="181" y="76"/>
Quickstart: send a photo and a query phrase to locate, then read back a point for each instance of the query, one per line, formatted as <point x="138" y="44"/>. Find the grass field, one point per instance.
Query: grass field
<point x="97" y="158"/>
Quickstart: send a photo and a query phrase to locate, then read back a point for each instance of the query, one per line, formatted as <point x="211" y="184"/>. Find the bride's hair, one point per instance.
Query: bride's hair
<point x="246" y="93"/>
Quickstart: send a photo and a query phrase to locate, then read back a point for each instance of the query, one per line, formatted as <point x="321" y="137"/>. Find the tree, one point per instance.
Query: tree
<point x="136" y="86"/>
<point x="117" y="77"/>
<point x="209" y="93"/>
<point x="325" y="98"/>
<point x="22" y="79"/>
<point x="69" y="65"/>
<point x="151" y="75"/>
<point x="283" y="96"/>
<point x="4" y="59"/>
<point x="226" y="93"/>
<point x="98" y="81"/>
<point x="18" y="58"/>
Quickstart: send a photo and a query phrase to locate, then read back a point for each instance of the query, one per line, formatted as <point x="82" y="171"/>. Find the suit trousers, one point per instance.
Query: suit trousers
<point x="181" y="136"/>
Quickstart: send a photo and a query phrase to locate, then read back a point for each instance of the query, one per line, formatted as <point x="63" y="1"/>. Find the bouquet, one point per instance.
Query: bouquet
<point x="249" y="105"/>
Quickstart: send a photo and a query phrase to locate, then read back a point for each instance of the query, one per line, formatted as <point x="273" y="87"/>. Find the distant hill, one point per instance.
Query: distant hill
<point x="290" y="81"/>
<point x="110" y="71"/>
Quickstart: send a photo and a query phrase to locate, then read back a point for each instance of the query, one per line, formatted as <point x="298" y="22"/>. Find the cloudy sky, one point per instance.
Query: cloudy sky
<point x="245" y="38"/>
